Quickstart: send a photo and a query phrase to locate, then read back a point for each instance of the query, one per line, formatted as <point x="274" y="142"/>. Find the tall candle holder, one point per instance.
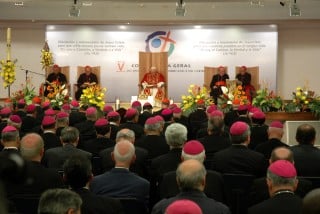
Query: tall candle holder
<point x="117" y="103"/>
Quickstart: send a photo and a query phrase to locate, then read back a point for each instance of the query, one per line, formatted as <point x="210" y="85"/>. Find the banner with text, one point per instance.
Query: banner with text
<point x="190" y="48"/>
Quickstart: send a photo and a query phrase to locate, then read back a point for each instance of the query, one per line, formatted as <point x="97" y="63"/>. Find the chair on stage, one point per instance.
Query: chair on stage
<point x="80" y="70"/>
<point x="237" y="188"/>
<point x="254" y="71"/>
<point x="208" y="74"/>
<point x="148" y="60"/>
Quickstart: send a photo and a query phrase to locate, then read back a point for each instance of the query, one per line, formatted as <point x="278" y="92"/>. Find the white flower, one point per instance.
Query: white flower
<point x="224" y="89"/>
<point x="63" y="86"/>
<point x="64" y="92"/>
<point x="229" y="102"/>
<point x="230" y="96"/>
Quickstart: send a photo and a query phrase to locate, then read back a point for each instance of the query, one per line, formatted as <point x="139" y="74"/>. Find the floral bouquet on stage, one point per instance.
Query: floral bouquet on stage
<point x="267" y="101"/>
<point x="58" y="94"/>
<point x="93" y="96"/>
<point x="27" y="93"/>
<point x="301" y="100"/>
<point x="196" y="94"/>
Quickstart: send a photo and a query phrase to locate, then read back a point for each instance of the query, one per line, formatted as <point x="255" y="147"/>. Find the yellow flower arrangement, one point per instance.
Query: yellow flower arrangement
<point x="240" y="97"/>
<point x="8" y="72"/>
<point x="93" y="96"/>
<point x="46" y="56"/>
<point x="195" y="94"/>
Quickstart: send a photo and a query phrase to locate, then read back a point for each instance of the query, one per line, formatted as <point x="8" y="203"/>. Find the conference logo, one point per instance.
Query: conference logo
<point x="120" y="66"/>
<point x="160" y="41"/>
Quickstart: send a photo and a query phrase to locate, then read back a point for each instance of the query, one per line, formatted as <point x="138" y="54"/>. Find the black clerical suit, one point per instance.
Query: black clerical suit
<point x="84" y="78"/>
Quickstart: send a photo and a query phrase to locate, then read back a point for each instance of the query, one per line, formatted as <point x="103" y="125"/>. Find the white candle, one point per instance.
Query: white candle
<point x="9" y="44"/>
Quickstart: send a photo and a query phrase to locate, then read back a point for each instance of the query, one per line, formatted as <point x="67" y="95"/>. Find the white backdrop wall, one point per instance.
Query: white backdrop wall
<point x="298" y="53"/>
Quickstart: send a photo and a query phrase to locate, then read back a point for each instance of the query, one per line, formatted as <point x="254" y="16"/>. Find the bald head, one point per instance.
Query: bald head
<point x="306" y="134"/>
<point x="281" y="153"/>
<point x="124" y="153"/>
<point x="311" y="203"/>
<point x="191" y="175"/>
<point x="125" y="134"/>
<point x="32" y="147"/>
<point x="274" y="132"/>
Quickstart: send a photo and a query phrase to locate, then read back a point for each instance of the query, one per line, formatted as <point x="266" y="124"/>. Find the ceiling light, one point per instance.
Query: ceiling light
<point x="74" y="10"/>
<point x="294" y="9"/>
<point x="180" y="8"/>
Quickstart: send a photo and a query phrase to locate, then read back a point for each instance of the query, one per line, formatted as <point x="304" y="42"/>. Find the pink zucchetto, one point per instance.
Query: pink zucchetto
<point x="113" y="114"/>
<point x="242" y="108"/>
<point x="254" y="109"/>
<point x="46" y="104"/>
<point x="193" y="147"/>
<point x="159" y="118"/>
<point x="74" y="104"/>
<point x="173" y="106"/>
<point x="147" y="105"/>
<point x="283" y="168"/>
<point x="130" y="112"/>
<point x="15" y="119"/>
<point x="136" y="104"/>
<point x="49" y="112"/>
<point x="238" y="128"/>
<point x="276" y="124"/>
<point x="151" y="121"/>
<point x="9" y="129"/>
<point x="258" y="115"/>
<point x="101" y="122"/>
<point x="176" y="110"/>
<point x="62" y="114"/>
<point x="107" y="108"/>
<point x="91" y="111"/>
<point x="166" y="112"/>
<point x="31" y="108"/>
<point x="66" y="107"/>
<point x="21" y="102"/>
<point x="216" y="113"/>
<point x="48" y="120"/>
<point x="183" y="206"/>
<point x="5" y="111"/>
<point x="211" y="108"/>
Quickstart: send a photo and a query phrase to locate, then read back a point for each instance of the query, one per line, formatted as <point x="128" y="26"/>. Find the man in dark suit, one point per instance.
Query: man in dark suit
<point x="75" y="115"/>
<point x="214" y="182"/>
<point x="86" y="128"/>
<point x="282" y="182"/>
<point x="78" y="175"/>
<point x="196" y="119"/>
<point x="51" y="140"/>
<point x="259" y="190"/>
<point x="132" y="116"/>
<point x="153" y="141"/>
<point x="259" y="130"/>
<point x="85" y="80"/>
<point x="29" y="122"/>
<point x="176" y="136"/>
<point x="114" y="120"/>
<point x="62" y="122"/>
<point x="146" y="113"/>
<point x="39" y="178"/>
<point x="306" y="155"/>
<point x="238" y="158"/>
<point x="218" y="138"/>
<point x="10" y="140"/>
<point x="15" y="121"/>
<point x="21" y="104"/>
<point x="275" y="133"/>
<point x="4" y="115"/>
<point x="140" y="164"/>
<point x="102" y="141"/>
<point x="55" y="157"/>
<point x="191" y="180"/>
<point x="178" y="117"/>
<point x="120" y="182"/>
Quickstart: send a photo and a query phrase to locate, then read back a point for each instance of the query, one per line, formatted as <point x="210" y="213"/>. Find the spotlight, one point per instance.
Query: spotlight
<point x="282" y="3"/>
<point x="295" y="10"/>
<point x="180" y="8"/>
<point x="74" y="10"/>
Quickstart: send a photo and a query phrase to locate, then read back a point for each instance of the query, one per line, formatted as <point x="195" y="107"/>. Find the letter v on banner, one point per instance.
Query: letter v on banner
<point x="120" y="65"/>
